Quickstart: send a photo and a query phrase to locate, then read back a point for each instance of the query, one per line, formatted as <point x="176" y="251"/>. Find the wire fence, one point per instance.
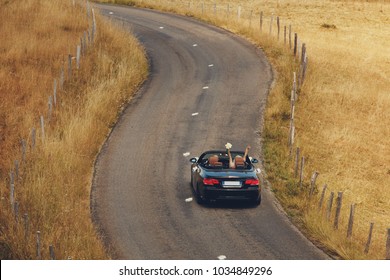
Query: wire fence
<point x="86" y="42"/>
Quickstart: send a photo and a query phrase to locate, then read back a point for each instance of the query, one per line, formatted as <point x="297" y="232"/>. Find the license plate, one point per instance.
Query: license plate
<point x="231" y="184"/>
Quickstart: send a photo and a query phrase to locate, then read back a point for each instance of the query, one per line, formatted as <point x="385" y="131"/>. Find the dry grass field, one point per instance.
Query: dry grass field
<point x="53" y="183"/>
<point x="342" y="116"/>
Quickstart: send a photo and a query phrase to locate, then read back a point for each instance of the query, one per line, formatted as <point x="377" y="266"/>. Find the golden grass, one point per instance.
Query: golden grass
<point x="54" y="186"/>
<point x="343" y="116"/>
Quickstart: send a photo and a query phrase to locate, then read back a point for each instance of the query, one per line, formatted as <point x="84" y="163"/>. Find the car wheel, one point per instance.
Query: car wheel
<point x="258" y="200"/>
<point x="199" y="198"/>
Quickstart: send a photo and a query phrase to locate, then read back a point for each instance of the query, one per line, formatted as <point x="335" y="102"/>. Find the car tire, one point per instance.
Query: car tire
<point x="199" y="199"/>
<point x="258" y="201"/>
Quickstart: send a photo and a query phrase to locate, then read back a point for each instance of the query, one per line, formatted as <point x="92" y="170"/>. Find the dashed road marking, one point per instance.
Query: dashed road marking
<point x="195" y="45"/>
<point x="195" y="114"/>
<point x="188" y="199"/>
<point x="111" y="13"/>
<point x="161" y="27"/>
<point x="186" y="154"/>
<point x="211" y="65"/>
<point x="222" y="257"/>
<point x="206" y="87"/>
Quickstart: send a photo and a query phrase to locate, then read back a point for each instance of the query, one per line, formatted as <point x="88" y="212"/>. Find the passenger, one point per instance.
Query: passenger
<point x="238" y="160"/>
<point x="214" y="161"/>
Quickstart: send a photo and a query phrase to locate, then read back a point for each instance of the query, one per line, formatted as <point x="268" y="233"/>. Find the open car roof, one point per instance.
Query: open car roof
<point x="223" y="157"/>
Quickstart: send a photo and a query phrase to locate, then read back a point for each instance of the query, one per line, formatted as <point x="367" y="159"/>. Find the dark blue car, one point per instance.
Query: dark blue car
<point x="212" y="179"/>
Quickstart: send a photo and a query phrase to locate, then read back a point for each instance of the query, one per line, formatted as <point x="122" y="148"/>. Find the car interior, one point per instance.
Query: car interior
<point x="221" y="161"/>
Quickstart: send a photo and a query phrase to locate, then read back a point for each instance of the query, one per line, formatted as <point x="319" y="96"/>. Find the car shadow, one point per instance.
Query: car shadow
<point x="230" y="204"/>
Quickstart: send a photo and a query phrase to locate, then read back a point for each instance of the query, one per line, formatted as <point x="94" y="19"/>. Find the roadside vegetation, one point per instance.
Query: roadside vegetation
<point x="52" y="187"/>
<point x="342" y="115"/>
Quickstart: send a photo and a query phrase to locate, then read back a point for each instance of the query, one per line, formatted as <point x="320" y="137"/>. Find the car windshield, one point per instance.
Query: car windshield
<point x="208" y="160"/>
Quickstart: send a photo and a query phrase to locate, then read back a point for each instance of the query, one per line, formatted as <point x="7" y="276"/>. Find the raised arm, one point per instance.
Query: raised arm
<point x="246" y="151"/>
<point x="231" y="163"/>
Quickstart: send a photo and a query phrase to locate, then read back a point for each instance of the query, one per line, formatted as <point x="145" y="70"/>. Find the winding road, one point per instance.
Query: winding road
<point x="206" y="87"/>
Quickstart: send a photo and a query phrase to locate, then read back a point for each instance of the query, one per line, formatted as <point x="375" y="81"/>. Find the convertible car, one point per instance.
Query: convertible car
<point x="212" y="179"/>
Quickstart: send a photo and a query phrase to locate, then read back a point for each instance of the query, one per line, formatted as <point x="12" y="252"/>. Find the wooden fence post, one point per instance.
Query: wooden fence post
<point x="261" y="21"/>
<point x="43" y="129"/>
<point x="322" y="197"/>
<point x="289" y="36"/>
<point x="295" y="44"/>
<point x="368" y="243"/>
<point x="51" y="250"/>
<point x="285" y="35"/>
<point x="89" y="37"/>
<point x="329" y="207"/>
<point x="12" y="189"/>
<point x="39" y="245"/>
<point x="239" y="13"/>
<point x="16" y="211"/>
<point x="388" y="245"/>
<point x="313" y="183"/>
<point x="292" y="126"/>
<point x="301" y="173"/>
<point x="250" y="18"/>
<point x="292" y="135"/>
<point x="339" y="201"/>
<point x="93" y="25"/>
<point x="295" y="89"/>
<point x="292" y="104"/>
<point x="16" y="162"/>
<point x="304" y="69"/>
<point x="55" y="92"/>
<point x="50" y="107"/>
<point x="270" y="25"/>
<point x="296" y="162"/>
<point x="78" y="53"/>
<point x="303" y="54"/>
<point x="350" y="222"/>
<point x="278" y="25"/>
<point x="85" y="43"/>
<point x="25" y="221"/>
<point x="33" y="137"/>
<point x="69" y="66"/>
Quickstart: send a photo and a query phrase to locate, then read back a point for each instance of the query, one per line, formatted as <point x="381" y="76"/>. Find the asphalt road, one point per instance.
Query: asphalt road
<point x="206" y="87"/>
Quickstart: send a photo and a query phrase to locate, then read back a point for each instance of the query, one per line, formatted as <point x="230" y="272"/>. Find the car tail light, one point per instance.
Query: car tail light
<point x="210" y="181"/>
<point x="252" y="182"/>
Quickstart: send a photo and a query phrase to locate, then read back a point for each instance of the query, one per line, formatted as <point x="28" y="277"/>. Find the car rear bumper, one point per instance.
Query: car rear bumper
<point x="250" y="193"/>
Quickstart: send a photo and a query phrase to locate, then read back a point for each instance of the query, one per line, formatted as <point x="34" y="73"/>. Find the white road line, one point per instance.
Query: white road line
<point x="195" y="114"/>
<point x="186" y="154"/>
<point x="111" y="13"/>
<point x="195" y="45"/>
<point x="211" y="65"/>
<point x="188" y="199"/>
<point x="222" y="257"/>
<point x="161" y="27"/>
<point x="206" y="87"/>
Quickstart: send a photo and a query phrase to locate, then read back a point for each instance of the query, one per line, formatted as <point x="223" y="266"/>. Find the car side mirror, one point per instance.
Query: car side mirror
<point x="254" y="160"/>
<point x="194" y="160"/>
